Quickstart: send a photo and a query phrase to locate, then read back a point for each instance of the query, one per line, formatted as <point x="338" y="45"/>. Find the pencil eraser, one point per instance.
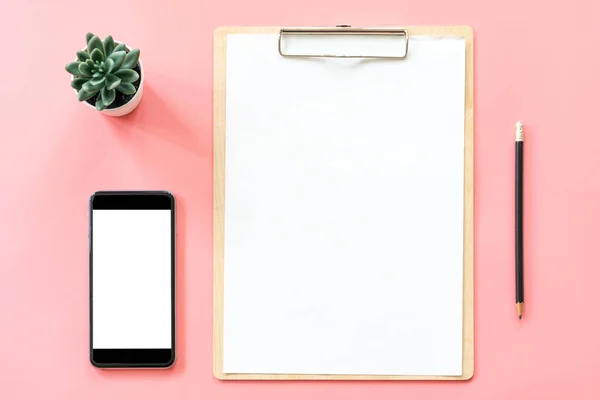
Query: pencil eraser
<point x="519" y="133"/>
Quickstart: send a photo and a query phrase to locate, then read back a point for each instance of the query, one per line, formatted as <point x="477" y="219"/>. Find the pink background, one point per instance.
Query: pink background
<point x="54" y="152"/>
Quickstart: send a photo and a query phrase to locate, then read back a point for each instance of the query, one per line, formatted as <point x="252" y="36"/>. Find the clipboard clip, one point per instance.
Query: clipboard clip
<point x="343" y="30"/>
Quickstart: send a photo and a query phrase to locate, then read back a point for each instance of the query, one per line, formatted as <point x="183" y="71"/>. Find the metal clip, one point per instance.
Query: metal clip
<point x="343" y="30"/>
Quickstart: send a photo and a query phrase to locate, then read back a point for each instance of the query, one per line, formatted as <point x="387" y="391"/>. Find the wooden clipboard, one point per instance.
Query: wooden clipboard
<point x="220" y="54"/>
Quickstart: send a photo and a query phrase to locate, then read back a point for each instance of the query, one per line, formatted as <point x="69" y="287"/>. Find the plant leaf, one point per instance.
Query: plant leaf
<point x="127" y="75"/>
<point x="108" y="96"/>
<point x="78" y="82"/>
<point x="82" y="95"/>
<point x="73" y="68"/>
<point x="97" y="81"/>
<point x="131" y="59"/>
<point x="109" y="64"/>
<point x="95" y="44"/>
<point x="109" y="45"/>
<point x="97" y="55"/>
<point x="90" y="63"/>
<point x="118" y="57"/>
<point x="85" y="70"/>
<point x="126" y="88"/>
<point x="121" y="47"/>
<point x="88" y="37"/>
<point x="93" y="85"/>
<point x="112" y="82"/>
<point x="97" y="75"/>
<point x="100" y="104"/>
<point x="82" y="56"/>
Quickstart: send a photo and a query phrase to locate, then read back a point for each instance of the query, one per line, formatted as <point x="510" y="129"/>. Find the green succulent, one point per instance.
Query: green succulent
<point x="105" y="69"/>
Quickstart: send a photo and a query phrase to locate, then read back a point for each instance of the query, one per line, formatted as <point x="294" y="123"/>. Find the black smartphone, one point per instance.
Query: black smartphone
<point x="132" y="279"/>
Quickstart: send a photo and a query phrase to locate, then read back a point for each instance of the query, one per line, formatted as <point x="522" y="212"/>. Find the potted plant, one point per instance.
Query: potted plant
<point x="107" y="75"/>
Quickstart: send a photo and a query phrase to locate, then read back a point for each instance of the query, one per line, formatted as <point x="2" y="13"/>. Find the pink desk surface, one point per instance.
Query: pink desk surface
<point x="54" y="152"/>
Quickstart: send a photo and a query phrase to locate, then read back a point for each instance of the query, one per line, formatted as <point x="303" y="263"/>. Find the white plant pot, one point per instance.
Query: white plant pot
<point x="131" y="104"/>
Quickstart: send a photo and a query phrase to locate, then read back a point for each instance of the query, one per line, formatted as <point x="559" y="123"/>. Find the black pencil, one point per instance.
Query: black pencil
<point x="519" y="219"/>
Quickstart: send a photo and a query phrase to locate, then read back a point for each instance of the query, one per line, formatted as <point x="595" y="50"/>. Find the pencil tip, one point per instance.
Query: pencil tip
<point x="520" y="317"/>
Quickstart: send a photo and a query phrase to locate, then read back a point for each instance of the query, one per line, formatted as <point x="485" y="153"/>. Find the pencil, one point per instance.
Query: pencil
<point x="519" y="219"/>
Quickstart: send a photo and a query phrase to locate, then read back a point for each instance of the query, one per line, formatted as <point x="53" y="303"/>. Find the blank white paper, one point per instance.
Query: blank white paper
<point x="344" y="210"/>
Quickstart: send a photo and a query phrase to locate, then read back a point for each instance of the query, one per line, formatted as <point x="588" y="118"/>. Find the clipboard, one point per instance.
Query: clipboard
<point x="220" y="92"/>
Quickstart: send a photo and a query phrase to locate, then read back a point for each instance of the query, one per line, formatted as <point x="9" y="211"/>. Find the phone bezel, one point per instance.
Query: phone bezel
<point x="133" y="358"/>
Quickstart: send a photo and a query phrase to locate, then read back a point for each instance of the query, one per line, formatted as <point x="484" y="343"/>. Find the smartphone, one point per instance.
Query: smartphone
<point x="132" y="279"/>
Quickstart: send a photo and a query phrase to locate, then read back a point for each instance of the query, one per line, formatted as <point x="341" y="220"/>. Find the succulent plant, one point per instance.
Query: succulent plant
<point x="104" y="70"/>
